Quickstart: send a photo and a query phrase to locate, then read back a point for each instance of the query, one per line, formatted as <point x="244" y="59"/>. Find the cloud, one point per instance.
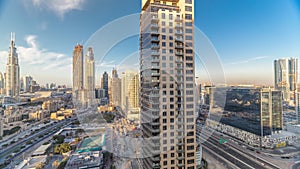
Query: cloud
<point x="3" y="56"/>
<point x="106" y="64"/>
<point x="35" y="56"/>
<point x="59" y="7"/>
<point x="249" y="60"/>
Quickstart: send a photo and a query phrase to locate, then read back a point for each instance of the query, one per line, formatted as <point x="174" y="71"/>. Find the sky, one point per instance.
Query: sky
<point x="247" y="35"/>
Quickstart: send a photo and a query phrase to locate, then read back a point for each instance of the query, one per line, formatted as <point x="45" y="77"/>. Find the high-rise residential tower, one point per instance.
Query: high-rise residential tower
<point x="286" y="76"/>
<point x="130" y="94"/>
<point x="297" y="106"/>
<point x="78" y="87"/>
<point x="104" y="83"/>
<point x="114" y="73"/>
<point x="12" y="80"/>
<point x="2" y="83"/>
<point x="1" y="128"/>
<point x="168" y="114"/>
<point x="27" y="82"/>
<point x="89" y="76"/>
<point x="115" y="88"/>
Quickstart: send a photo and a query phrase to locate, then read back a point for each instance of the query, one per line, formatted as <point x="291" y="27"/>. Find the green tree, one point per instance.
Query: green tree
<point x="59" y="139"/>
<point x="62" y="148"/>
<point x="55" y="164"/>
<point x="39" y="165"/>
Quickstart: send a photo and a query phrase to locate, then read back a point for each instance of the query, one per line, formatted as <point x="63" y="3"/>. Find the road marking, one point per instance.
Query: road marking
<point x="249" y="154"/>
<point x="231" y="156"/>
<point x="210" y="150"/>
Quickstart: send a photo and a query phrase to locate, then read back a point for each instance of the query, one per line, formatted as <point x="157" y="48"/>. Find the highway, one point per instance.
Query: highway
<point x="219" y="158"/>
<point x="233" y="153"/>
<point x="11" y="148"/>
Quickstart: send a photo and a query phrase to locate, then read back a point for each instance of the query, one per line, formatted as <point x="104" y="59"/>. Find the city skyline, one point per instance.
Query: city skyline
<point x="260" y="40"/>
<point x="152" y="84"/>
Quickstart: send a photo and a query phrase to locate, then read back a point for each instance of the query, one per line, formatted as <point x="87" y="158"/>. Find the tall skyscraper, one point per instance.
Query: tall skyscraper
<point x="78" y="93"/>
<point x="168" y="114"/>
<point x="27" y="80"/>
<point x="90" y="76"/>
<point x="12" y="85"/>
<point x="130" y="94"/>
<point x="133" y="92"/>
<point x="2" y="83"/>
<point x="104" y="83"/>
<point x="115" y="89"/>
<point x="297" y="107"/>
<point x="286" y="77"/>
<point x="114" y="73"/>
<point x="1" y="128"/>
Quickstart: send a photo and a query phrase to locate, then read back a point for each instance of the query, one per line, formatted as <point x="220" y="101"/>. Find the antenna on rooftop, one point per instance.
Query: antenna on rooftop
<point x="12" y="36"/>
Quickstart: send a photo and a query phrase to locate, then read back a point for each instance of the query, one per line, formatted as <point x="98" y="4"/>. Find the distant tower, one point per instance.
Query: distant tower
<point x="286" y="75"/>
<point x="114" y="73"/>
<point x="105" y="83"/>
<point x="90" y="76"/>
<point x="115" y="89"/>
<point x="27" y="80"/>
<point x="1" y="128"/>
<point x="12" y="84"/>
<point x="130" y="93"/>
<point x="78" y="73"/>
<point x="2" y="81"/>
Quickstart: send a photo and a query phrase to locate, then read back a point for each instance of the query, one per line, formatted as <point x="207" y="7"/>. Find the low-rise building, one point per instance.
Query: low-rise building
<point x="51" y="105"/>
<point x="39" y="115"/>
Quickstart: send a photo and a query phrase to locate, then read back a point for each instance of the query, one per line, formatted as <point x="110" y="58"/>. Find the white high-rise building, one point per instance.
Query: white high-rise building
<point x="78" y="88"/>
<point x="1" y="127"/>
<point x="90" y="76"/>
<point x="286" y="77"/>
<point x="130" y="94"/>
<point x="12" y="82"/>
<point x="115" y="86"/>
<point x="168" y="111"/>
<point x="27" y="80"/>
<point x="2" y="83"/>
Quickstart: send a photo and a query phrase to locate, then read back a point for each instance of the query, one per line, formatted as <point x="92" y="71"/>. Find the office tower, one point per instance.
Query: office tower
<point x="78" y="94"/>
<point x="254" y="110"/>
<point x="115" y="89"/>
<point x="2" y="83"/>
<point x="297" y="107"/>
<point x="114" y="73"/>
<point x="99" y="93"/>
<point x="104" y="83"/>
<point x="286" y="77"/>
<point x="168" y="114"/>
<point x="130" y="94"/>
<point x="133" y="91"/>
<point x="12" y="85"/>
<point x="27" y="80"/>
<point x="1" y="127"/>
<point x="90" y="76"/>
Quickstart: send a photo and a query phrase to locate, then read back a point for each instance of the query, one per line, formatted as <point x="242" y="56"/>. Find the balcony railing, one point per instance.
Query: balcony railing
<point x="155" y="74"/>
<point x="154" y="53"/>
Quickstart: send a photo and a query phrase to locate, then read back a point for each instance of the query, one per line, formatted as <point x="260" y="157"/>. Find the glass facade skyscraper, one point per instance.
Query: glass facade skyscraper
<point x="286" y="77"/>
<point x="255" y="110"/>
